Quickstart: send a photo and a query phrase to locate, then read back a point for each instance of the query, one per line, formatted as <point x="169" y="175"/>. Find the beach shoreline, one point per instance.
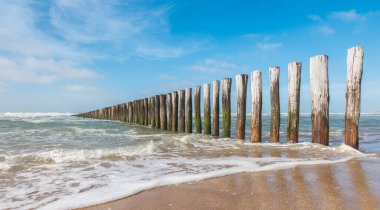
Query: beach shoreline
<point x="348" y="185"/>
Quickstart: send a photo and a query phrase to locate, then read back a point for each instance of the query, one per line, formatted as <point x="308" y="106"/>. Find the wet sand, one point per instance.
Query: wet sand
<point x="354" y="184"/>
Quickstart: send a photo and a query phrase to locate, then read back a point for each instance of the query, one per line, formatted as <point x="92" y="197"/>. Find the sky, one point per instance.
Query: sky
<point x="81" y="55"/>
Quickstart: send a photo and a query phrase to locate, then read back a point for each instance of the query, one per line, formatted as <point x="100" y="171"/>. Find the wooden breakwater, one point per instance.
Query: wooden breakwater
<point x="174" y="111"/>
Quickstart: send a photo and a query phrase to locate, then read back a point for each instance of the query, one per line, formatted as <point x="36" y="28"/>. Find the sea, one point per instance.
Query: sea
<point x="59" y="161"/>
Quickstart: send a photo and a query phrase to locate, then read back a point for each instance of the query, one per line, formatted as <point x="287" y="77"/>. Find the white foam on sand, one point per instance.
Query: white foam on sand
<point x="80" y="179"/>
<point x="120" y="186"/>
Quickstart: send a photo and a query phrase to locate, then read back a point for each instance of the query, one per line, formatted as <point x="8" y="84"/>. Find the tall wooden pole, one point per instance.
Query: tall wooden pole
<point x="206" y="108"/>
<point x="189" y="111"/>
<point x="241" y="99"/>
<point x="353" y="91"/>
<point x="157" y="112"/>
<point x="319" y="86"/>
<point x="197" y="109"/>
<point x="146" y="121"/>
<point x="215" y="107"/>
<point x="163" y="119"/>
<point x="256" y="107"/>
<point x="274" y="76"/>
<point x="169" y="111"/>
<point x="181" y="111"/>
<point x="153" y="120"/>
<point x="294" y="89"/>
<point x="174" y="111"/>
<point x="130" y="114"/>
<point x="226" y="107"/>
<point x="149" y="111"/>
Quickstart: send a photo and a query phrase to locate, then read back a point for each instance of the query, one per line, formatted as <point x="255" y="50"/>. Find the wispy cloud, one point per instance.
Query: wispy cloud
<point x="3" y="87"/>
<point x="250" y="36"/>
<point x="348" y="16"/>
<point x="314" y="17"/>
<point x="29" y="54"/>
<point x="132" y="28"/>
<point x="323" y="30"/>
<point x="47" y="42"/>
<point x="83" y="89"/>
<point x="269" y="46"/>
<point x="212" y="66"/>
<point x="329" y="24"/>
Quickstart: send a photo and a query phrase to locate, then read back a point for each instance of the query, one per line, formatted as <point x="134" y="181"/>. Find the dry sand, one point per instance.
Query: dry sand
<point x="354" y="184"/>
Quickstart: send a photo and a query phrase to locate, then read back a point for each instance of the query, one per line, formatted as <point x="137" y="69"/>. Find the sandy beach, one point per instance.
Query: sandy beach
<point x="349" y="185"/>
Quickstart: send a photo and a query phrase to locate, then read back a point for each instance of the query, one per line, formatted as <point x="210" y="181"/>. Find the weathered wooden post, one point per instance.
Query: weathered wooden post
<point x="169" y="111"/>
<point x="142" y="112"/>
<point x="130" y="115"/>
<point x="206" y="108"/>
<point x="127" y="112"/>
<point x="189" y="111"/>
<point x="226" y="107"/>
<point x="256" y="91"/>
<point x="157" y="112"/>
<point x="294" y="89"/>
<point x="319" y="86"/>
<point x="146" y="122"/>
<point x="174" y="111"/>
<point x="241" y="99"/>
<point x="353" y="91"/>
<point x="163" y="116"/>
<point x="274" y="76"/>
<point x="149" y="111"/>
<point x="215" y="107"/>
<point x="197" y="109"/>
<point x="181" y="111"/>
<point x="153" y="120"/>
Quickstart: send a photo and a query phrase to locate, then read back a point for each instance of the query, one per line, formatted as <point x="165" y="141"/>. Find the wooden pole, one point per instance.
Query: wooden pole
<point x="241" y="99"/>
<point x="153" y="120"/>
<point x="163" y="116"/>
<point x="146" y="111"/>
<point x="319" y="86"/>
<point x="181" y="111"/>
<point x="130" y="115"/>
<point x="206" y="108"/>
<point x="353" y="91"/>
<point x="215" y="107"/>
<point x="149" y="111"/>
<point x="142" y="111"/>
<point x="197" y="109"/>
<point x="175" y="111"/>
<point x="157" y="112"/>
<point x="226" y="107"/>
<point x="294" y="89"/>
<point x="189" y="111"/>
<point x="274" y="76"/>
<point x="256" y="107"/>
<point x="169" y="111"/>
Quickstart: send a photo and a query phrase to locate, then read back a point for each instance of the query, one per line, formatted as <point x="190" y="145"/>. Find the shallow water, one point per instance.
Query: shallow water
<point x="54" y="160"/>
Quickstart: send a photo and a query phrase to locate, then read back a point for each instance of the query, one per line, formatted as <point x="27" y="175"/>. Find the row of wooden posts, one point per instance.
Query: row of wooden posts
<point x="173" y="111"/>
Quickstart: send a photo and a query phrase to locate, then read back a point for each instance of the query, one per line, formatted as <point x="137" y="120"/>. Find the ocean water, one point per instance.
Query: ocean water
<point x="58" y="161"/>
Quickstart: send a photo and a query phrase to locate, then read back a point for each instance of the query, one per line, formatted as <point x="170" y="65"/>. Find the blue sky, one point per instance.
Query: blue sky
<point x="77" y="55"/>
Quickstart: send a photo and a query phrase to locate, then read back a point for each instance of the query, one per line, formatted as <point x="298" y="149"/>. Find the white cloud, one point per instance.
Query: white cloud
<point x="133" y="30"/>
<point x="269" y="46"/>
<point x="42" y="71"/>
<point x="250" y="36"/>
<point x="3" y="87"/>
<point x="29" y="54"/>
<point x="314" y="17"/>
<point x="212" y="66"/>
<point x="83" y="89"/>
<point x="353" y="17"/>
<point x="324" y="30"/>
<point x="348" y="16"/>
